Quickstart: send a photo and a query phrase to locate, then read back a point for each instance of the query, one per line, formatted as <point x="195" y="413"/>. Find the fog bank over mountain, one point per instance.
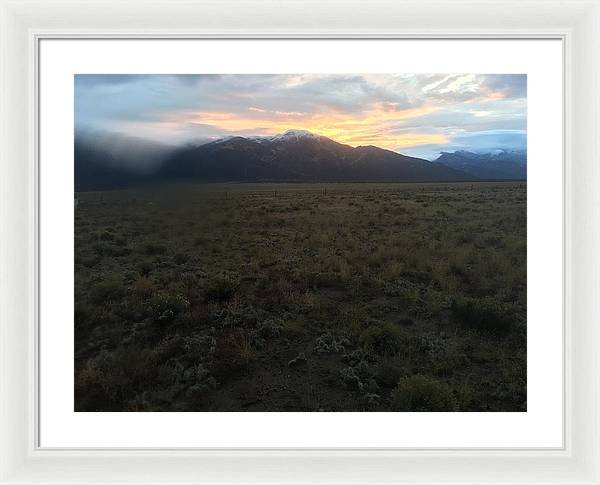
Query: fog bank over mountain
<point x="122" y="152"/>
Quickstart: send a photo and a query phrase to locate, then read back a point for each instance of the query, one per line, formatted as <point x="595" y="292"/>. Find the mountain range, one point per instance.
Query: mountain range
<point x="294" y="156"/>
<point x="499" y="164"/>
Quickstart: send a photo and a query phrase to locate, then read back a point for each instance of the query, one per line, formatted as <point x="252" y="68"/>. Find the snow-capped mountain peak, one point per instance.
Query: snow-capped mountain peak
<point x="294" y="135"/>
<point x="288" y="136"/>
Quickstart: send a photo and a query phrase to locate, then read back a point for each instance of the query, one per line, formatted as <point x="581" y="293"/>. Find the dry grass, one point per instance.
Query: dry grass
<point x="441" y="267"/>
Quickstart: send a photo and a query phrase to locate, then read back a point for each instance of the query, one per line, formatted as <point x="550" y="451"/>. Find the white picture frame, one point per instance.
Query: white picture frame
<point x="24" y="23"/>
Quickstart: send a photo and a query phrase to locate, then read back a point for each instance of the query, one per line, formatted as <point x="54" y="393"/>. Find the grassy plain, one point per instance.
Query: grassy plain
<point x="302" y="297"/>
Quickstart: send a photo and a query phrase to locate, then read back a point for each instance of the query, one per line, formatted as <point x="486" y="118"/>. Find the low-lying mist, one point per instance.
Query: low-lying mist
<point x="127" y="153"/>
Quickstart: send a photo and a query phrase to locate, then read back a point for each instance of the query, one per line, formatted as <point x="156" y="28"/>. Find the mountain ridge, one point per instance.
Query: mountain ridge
<point x="299" y="156"/>
<point x="292" y="156"/>
<point x="497" y="164"/>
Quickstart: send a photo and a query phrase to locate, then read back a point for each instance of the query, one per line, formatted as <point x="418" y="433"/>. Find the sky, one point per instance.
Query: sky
<point x="414" y="114"/>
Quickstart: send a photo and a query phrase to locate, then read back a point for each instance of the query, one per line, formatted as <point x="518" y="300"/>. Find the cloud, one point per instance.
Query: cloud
<point x="134" y="154"/>
<point x="490" y="140"/>
<point x="473" y="88"/>
<point x="394" y="111"/>
<point x="478" y="141"/>
<point x="508" y="85"/>
<point x="83" y="80"/>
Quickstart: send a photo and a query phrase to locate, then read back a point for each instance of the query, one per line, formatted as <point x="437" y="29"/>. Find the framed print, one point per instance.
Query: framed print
<point x="304" y="249"/>
<point x="363" y="252"/>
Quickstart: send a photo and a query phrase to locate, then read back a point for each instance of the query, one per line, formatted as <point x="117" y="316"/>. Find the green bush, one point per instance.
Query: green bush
<point x="385" y="339"/>
<point x="422" y="393"/>
<point x="483" y="314"/>
<point x="166" y="307"/>
<point x="387" y="375"/>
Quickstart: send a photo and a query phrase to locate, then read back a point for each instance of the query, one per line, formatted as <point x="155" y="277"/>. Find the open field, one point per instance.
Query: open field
<point x="302" y="297"/>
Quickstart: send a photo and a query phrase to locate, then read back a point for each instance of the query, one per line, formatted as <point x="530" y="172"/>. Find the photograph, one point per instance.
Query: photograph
<point x="311" y="242"/>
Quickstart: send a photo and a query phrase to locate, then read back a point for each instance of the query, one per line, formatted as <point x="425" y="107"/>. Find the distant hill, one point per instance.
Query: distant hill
<point x="500" y="164"/>
<point x="294" y="156"/>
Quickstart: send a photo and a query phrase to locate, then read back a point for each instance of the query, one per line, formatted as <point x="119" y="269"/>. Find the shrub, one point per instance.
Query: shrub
<point x="293" y="329"/>
<point x="326" y="280"/>
<point x="192" y="347"/>
<point x="83" y="313"/>
<point x="199" y="241"/>
<point x="120" y="241"/>
<point x="166" y="307"/>
<point x="387" y="375"/>
<point x="269" y="328"/>
<point x="483" y="314"/>
<point x="328" y="343"/>
<point x="180" y="258"/>
<point x="233" y="355"/>
<point x="106" y="235"/>
<point x="153" y="248"/>
<point x="383" y="339"/>
<point x="457" y="269"/>
<point x="89" y="261"/>
<point x="356" y="377"/>
<point x="202" y="384"/>
<point x="350" y="378"/>
<point x="109" y="289"/>
<point x="422" y="393"/>
<point x="143" y="287"/>
<point x="120" y="374"/>
<point x="221" y="288"/>
<point x="145" y="267"/>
